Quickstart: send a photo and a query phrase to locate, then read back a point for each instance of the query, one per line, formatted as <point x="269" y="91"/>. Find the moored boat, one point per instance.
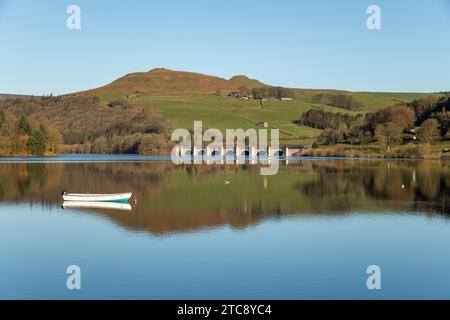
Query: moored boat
<point x="90" y="197"/>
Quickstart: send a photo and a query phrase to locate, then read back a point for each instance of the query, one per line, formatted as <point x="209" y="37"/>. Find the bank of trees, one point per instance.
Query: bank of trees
<point x="433" y="107"/>
<point x="319" y="119"/>
<point x="26" y="136"/>
<point x="86" y="126"/>
<point x="338" y="127"/>
<point x="426" y="120"/>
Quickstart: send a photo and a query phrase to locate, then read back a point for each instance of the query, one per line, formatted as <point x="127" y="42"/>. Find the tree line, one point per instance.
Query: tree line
<point x="340" y="100"/>
<point x="87" y="126"/>
<point x="264" y="93"/>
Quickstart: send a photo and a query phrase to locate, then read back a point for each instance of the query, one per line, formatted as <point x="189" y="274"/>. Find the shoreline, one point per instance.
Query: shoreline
<point x="142" y="157"/>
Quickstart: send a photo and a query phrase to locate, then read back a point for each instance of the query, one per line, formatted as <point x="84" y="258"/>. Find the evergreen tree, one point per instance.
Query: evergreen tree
<point x="5" y="127"/>
<point x="6" y="136"/>
<point x="24" y="126"/>
<point x="36" y="143"/>
<point x="43" y="130"/>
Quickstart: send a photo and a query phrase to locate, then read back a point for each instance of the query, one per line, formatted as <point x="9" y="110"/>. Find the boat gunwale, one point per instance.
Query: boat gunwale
<point x="97" y="194"/>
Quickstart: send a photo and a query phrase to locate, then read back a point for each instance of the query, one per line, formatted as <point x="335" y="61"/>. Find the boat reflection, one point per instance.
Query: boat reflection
<point x="96" y="205"/>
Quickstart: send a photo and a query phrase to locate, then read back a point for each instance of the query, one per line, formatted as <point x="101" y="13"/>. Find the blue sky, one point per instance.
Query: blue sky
<point x="306" y="44"/>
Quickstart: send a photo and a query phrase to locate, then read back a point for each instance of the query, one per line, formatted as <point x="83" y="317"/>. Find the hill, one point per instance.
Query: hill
<point x="162" y="81"/>
<point x="182" y="97"/>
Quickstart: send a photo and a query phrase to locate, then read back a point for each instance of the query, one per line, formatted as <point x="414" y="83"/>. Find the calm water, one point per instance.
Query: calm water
<point x="309" y="232"/>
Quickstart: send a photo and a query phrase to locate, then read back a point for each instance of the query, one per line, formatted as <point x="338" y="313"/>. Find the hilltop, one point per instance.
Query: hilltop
<point x="244" y="81"/>
<point x="162" y="81"/>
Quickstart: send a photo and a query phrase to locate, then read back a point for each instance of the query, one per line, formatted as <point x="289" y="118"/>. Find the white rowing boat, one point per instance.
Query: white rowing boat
<point x="96" y="205"/>
<point x="90" y="197"/>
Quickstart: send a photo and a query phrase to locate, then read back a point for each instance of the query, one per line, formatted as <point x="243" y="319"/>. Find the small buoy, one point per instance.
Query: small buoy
<point x="226" y="182"/>
<point x="403" y="186"/>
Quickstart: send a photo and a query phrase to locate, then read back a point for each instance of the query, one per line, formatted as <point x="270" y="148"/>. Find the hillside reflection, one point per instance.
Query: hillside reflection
<point x="183" y="198"/>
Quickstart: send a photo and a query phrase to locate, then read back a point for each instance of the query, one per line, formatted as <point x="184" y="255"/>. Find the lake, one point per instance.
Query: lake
<point x="308" y="232"/>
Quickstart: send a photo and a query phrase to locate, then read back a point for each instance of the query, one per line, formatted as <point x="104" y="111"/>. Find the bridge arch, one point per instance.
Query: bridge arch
<point x="278" y="153"/>
<point x="261" y="153"/>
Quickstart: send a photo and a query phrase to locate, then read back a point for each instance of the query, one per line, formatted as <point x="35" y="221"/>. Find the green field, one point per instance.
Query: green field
<point x="226" y="112"/>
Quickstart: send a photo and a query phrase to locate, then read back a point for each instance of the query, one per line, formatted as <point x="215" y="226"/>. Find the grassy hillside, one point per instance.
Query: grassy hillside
<point x="372" y="101"/>
<point x="225" y="112"/>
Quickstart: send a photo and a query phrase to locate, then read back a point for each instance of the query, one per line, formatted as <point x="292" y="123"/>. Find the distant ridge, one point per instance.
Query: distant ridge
<point x="4" y="96"/>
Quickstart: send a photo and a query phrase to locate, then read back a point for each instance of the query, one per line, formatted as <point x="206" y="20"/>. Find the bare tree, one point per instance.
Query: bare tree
<point x="428" y="131"/>
<point x="387" y="134"/>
